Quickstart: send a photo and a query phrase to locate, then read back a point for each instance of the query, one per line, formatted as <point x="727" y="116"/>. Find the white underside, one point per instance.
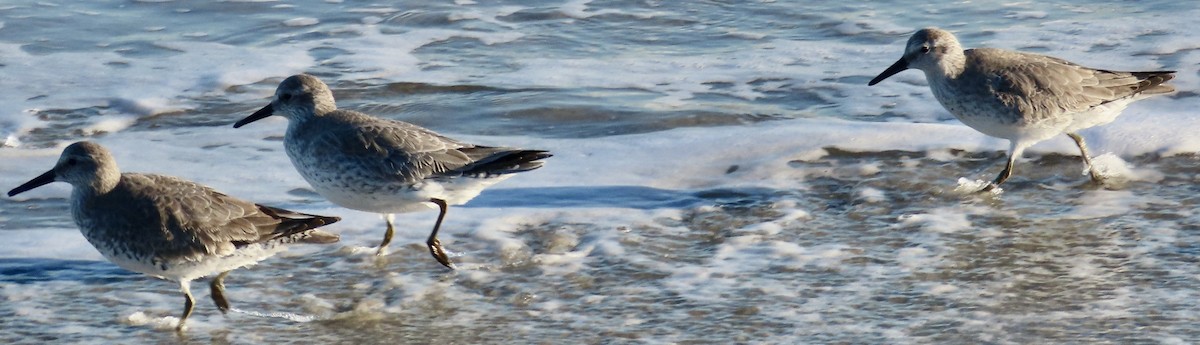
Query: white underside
<point x="1028" y="133"/>
<point x="1100" y="115"/>
<point x="186" y="270"/>
<point x="1025" y="131"/>
<point x="455" y="191"/>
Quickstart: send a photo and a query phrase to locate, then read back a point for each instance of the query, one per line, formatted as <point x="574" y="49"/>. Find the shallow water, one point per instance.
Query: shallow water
<point x="722" y="174"/>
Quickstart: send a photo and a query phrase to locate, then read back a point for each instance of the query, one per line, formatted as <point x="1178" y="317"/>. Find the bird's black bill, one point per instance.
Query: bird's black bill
<point x="897" y="67"/>
<point x="39" y="181"/>
<point x="258" y="115"/>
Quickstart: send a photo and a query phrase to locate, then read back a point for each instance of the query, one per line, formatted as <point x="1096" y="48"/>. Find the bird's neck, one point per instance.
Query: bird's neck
<point x="104" y="182"/>
<point x="323" y="108"/>
<point x="949" y="67"/>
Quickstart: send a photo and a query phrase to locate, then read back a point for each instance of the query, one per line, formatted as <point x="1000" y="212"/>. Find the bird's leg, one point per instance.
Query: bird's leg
<point x="1014" y="150"/>
<point x="218" y="292"/>
<point x="1001" y="178"/>
<point x="1087" y="158"/>
<point x="188" y="303"/>
<point x="435" y="246"/>
<point x="1003" y="175"/>
<point x="387" y="236"/>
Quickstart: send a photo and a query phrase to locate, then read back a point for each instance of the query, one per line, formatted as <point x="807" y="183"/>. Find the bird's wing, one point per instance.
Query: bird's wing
<point x="1043" y="85"/>
<point x="196" y="220"/>
<point x="384" y="149"/>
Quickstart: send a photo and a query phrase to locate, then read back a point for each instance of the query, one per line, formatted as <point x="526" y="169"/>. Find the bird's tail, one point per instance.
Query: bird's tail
<point x="301" y="227"/>
<point x="503" y="161"/>
<point x="1153" y="83"/>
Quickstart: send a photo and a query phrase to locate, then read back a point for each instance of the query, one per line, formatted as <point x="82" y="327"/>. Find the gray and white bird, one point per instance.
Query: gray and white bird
<point x="171" y="228"/>
<point x="384" y="166"/>
<point x="1023" y="97"/>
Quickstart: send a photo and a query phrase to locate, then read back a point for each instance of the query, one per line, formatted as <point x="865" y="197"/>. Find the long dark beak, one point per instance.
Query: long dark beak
<point x="897" y="67"/>
<point x="258" y="115"/>
<point x="39" y="181"/>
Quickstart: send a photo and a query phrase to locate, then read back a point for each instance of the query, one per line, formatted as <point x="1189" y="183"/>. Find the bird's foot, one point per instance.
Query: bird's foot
<point x="439" y="253"/>
<point x="974" y="187"/>
<point x="991" y="187"/>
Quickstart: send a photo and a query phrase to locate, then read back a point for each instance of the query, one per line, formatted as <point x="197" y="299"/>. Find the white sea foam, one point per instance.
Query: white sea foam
<point x="198" y="69"/>
<point x="302" y="21"/>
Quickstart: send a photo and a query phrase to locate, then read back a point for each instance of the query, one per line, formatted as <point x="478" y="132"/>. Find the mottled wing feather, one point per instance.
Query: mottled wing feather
<point x="196" y="220"/>
<point x="384" y="148"/>
<point x="1038" y="84"/>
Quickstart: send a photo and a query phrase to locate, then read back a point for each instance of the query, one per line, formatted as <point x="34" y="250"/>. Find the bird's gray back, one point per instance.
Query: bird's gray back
<point x="351" y="145"/>
<point x="1034" y="87"/>
<point x="169" y="219"/>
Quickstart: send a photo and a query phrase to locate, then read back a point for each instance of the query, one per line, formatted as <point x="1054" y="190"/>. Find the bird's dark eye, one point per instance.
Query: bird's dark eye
<point x="71" y="161"/>
<point x="924" y="49"/>
<point x="285" y="97"/>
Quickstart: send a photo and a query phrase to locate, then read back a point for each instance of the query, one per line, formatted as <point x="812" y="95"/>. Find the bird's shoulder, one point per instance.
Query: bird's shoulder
<point x="177" y="193"/>
<point x="195" y="218"/>
<point x="1005" y="63"/>
<point x="354" y="133"/>
<point x="1038" y="83"/>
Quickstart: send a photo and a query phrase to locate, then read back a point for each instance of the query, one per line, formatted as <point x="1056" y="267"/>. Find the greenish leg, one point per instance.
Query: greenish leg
<point x="218" y="292"/>
<point x="1008" y="168"/>
<point x="435" y="246"/>
<point x="1087" y="157"/>
<point x="387" y="236"/>
<point x="188" y="303"/>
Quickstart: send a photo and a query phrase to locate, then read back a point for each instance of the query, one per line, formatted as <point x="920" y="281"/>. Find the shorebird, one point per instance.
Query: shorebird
<point x="171" y="228"/>
<point x="1023" y="97"/>
<point x="384" y="166"/>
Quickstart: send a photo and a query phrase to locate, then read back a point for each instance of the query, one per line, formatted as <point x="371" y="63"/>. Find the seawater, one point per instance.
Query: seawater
<point x="722" y="173"/>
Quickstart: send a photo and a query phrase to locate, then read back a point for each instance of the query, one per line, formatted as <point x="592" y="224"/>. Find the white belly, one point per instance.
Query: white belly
<point x="195" y="267"/>
<point x="386" y="199"/>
